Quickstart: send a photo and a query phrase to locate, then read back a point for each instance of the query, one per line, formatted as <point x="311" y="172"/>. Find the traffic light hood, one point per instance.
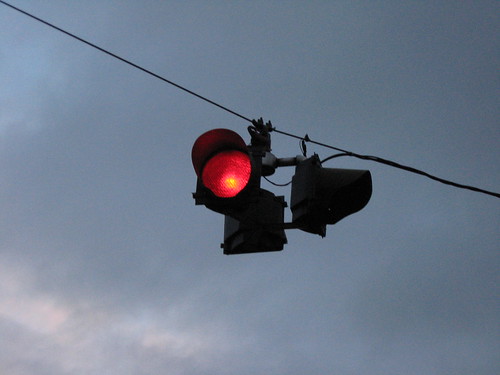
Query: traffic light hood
<point x="212" y="142"/>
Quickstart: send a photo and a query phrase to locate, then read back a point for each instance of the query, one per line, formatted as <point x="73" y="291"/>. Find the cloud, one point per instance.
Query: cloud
<point x="106" y="264"/>
<point x="82" y="336"/>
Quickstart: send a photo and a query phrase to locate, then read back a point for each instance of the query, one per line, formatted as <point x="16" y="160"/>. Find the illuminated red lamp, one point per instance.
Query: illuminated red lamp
<point x="221" y="161"/>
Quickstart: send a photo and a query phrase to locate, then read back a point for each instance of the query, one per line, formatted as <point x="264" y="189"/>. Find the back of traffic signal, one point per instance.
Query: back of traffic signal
<point x="229" y="174"/>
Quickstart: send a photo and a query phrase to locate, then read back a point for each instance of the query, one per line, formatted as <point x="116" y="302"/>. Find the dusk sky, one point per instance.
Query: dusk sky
<point x="108" y="267"/>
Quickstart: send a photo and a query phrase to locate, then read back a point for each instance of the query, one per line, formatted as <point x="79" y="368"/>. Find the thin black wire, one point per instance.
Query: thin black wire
<point x="276" y="184"/>
<point x="126" y="61"/>
<point x="302" y="139"/>
<point x="406" y="168"/>
<point x="307" y="139"/>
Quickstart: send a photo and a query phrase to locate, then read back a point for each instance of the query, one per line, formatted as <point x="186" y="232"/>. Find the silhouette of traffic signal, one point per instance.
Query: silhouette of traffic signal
<point x="322" y="196"/>
<point x="229" y="174"/>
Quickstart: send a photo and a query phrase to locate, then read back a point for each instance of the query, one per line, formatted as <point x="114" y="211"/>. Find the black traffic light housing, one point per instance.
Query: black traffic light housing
<point x="229" y="174"/>
<point x="322" y="196"/>
<point x="260" y="229"/>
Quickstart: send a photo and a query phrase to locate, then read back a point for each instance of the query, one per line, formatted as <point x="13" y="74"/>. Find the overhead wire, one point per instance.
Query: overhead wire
<point x="127" y="61"/>
<point x="277" y="184"/>
<point x="391" y="163"/>
<point x="413" y="170"/>
<point x="303" y="139"/>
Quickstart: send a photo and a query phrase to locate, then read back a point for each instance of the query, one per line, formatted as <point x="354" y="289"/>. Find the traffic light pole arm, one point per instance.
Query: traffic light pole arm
<point x="271" y="162"/>
<point x="289" y="162"/>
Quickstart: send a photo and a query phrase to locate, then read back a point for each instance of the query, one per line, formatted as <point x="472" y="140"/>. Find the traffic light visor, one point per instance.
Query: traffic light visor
<point x="221" y="161"/>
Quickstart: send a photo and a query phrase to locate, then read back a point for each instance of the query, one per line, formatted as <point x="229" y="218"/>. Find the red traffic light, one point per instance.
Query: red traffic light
<point x="227" y="173"/>
<point x="221" y="160"/>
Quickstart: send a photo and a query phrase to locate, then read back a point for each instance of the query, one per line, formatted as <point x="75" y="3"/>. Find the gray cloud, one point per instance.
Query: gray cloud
<point x="106" y="265"/>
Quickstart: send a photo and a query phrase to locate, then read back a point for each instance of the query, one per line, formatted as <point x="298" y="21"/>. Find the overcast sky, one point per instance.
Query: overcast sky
<point x="108" y="267"/>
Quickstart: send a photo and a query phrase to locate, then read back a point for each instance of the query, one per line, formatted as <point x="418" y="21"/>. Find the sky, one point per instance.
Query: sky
<point x="108" y="267"/>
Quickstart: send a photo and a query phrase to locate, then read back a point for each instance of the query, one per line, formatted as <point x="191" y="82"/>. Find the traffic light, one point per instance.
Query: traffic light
<point x="229" y="174"/>
<point x="322" y="196"/>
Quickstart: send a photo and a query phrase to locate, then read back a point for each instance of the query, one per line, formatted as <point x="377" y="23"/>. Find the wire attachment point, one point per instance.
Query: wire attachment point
<point x="303" y="147"/>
